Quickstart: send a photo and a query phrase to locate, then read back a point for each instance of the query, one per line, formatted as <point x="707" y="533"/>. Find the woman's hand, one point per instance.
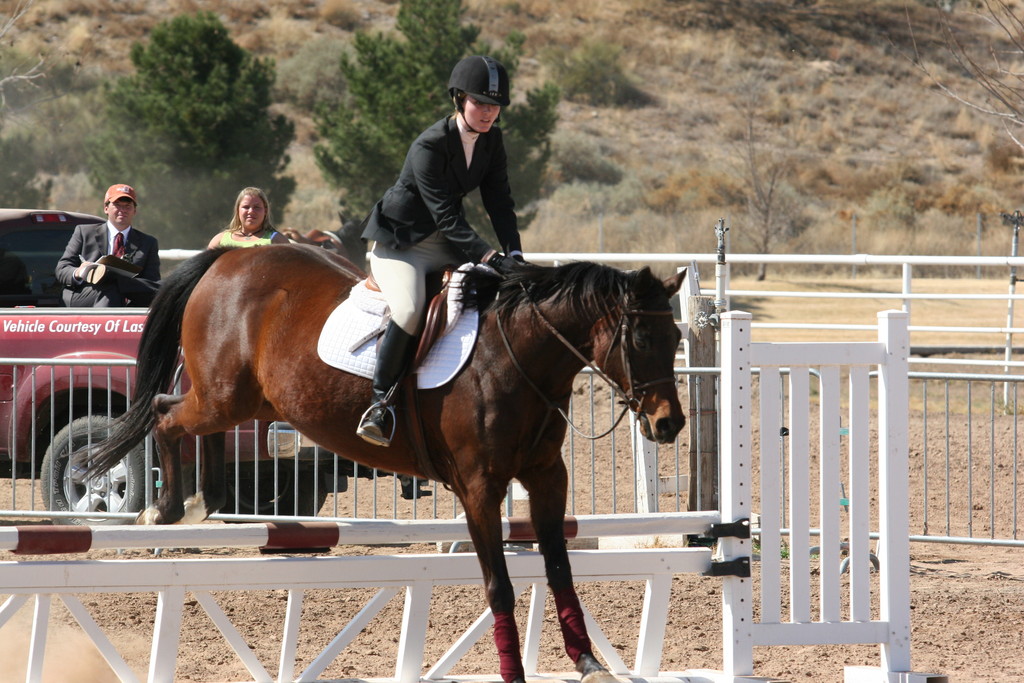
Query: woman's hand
<point x="501" y="263"/>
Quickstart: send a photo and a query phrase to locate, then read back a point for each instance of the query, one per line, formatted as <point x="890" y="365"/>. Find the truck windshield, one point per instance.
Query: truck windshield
<point x="27" y="261"/>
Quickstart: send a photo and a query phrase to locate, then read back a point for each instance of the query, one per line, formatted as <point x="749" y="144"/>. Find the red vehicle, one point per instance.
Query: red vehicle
<point x="82" y="378"/>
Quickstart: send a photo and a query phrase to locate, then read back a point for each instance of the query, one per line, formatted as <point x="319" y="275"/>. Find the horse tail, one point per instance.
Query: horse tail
<point x="156" y="363"/>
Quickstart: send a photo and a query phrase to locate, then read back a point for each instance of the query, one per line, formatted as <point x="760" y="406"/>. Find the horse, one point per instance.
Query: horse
<point x="247" y="323"/>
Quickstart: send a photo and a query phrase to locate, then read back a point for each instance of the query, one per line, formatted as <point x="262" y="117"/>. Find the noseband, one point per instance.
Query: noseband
<point x="631" y="399"/>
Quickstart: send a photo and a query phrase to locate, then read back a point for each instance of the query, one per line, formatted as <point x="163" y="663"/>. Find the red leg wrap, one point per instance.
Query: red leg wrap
<point x="574" y="628"/>
<point x="506" y="638"/>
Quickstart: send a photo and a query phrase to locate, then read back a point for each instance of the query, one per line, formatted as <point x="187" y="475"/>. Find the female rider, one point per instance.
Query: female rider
<point x="419" y="226"/>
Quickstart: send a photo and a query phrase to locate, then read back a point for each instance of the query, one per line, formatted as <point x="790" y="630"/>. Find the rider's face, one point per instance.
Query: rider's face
<point x="478" y="115"/>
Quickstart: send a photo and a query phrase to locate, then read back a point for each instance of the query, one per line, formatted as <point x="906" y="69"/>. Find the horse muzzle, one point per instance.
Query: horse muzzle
<point x="664" y="430"/>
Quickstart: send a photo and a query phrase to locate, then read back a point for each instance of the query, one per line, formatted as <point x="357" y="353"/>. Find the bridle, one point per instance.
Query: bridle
<point x="631" y="400"/>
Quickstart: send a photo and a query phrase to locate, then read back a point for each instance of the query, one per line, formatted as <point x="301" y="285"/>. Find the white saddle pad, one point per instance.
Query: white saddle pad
<point x="349" y="338"/>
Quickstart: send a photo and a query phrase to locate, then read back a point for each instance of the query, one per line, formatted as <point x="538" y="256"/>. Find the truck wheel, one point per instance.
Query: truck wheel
<point x="123" y="489"/>
<point x="276" y="495"/>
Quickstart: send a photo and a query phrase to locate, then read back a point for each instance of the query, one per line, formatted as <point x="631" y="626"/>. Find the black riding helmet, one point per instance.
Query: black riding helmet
<point x="482" y="78"/>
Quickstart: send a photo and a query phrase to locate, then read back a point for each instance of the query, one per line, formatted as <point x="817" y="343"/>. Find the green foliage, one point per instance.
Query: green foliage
<point x="19" y="185"/>
<point x="397" y="87"/>
<point x="190" y="129"/>
<point x="592" y="73"/>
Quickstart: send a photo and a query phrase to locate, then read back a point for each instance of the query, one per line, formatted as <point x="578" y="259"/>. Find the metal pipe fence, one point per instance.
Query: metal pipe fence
<point x="964" y="454"/>
<point x="273" y="472"/>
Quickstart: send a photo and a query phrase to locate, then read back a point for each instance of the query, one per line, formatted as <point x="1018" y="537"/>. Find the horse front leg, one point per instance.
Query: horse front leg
<point x="484" y="521"/>
<point x="547" y="489"/>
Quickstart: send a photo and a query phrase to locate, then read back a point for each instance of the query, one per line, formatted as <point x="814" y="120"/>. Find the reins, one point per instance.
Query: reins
<point x="629" y="400"/>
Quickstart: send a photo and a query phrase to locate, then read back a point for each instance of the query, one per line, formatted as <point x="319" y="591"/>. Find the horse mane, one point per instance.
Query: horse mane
<point x="588" y="288"/>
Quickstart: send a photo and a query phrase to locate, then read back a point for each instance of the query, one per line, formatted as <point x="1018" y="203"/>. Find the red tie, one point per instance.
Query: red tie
<point x="119" y="245"/>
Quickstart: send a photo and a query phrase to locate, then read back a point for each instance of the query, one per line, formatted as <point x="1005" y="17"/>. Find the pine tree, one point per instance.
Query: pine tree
<point x="190" y="129"/>
<point x="397" y="87"/>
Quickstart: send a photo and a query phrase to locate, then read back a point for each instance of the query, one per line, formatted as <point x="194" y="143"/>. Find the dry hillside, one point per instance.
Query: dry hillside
<point x="827" y="90"/>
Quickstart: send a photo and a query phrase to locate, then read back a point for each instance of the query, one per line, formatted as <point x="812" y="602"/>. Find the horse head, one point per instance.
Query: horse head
<point x="641" y="355"/>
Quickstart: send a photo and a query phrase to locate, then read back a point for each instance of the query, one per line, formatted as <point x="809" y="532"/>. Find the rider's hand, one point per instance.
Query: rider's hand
<point x="501" y="263"/>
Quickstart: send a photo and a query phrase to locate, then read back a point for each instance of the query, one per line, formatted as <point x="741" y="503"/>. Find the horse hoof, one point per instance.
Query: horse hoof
<point x="593" y="672"/>
<point x="600" y="677"/>
<point x="148" y="516"/>
<point x="195" y="510"/>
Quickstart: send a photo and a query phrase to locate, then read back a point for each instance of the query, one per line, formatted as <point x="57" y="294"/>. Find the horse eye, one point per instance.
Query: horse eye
<point x="641" y="339"/>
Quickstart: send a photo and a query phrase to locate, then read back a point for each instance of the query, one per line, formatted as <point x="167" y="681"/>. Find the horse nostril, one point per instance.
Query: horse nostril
<point x="668" y="428"/>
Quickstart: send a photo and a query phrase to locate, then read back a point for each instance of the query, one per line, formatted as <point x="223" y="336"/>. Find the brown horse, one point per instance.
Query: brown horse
<point x="248" y="320"/>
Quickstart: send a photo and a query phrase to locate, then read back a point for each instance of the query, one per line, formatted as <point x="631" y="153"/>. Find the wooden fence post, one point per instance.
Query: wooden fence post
<point x="703" y="419"/>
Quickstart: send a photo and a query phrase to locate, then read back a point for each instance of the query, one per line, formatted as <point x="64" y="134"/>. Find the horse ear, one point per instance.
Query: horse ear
<point x="673" y="283"/>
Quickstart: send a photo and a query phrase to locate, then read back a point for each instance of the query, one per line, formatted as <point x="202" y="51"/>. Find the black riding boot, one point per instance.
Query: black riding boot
<point x="396" y="347"/>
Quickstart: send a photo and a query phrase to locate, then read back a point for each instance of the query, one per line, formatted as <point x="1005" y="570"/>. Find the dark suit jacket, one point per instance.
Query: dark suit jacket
<point x="429" y="191"/>
<point x="89" y="243"/>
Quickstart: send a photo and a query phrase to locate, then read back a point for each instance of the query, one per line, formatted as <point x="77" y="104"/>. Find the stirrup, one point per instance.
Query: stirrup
<point x="372" y="431"/>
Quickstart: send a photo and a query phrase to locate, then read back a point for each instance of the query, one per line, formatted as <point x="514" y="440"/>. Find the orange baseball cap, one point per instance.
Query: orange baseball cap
<point x="115" y="192"/>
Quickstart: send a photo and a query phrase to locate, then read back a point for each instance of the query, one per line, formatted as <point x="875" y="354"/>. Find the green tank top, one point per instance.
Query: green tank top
<point x="227" y="241"/>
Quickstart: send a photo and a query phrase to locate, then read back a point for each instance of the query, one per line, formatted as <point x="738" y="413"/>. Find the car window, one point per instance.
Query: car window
<point x="27" y="261"/>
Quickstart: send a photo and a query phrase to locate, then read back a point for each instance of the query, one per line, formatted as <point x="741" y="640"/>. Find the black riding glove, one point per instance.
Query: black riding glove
<point x="503" y="264"/>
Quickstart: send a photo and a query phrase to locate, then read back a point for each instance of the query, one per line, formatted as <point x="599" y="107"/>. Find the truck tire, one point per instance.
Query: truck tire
<point x="276" y="495"/>
<point x="123" y="489"/>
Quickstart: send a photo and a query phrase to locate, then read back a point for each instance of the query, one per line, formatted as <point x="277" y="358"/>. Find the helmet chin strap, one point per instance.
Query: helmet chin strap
<point x="469" y="127"/>
<point x="460" y="107"/>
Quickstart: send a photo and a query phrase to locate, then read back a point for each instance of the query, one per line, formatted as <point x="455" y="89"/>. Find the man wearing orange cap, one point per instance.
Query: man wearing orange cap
<point x="130" y="281"/>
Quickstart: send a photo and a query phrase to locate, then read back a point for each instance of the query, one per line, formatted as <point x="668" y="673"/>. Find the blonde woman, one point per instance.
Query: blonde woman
<point x="250" y="225"/>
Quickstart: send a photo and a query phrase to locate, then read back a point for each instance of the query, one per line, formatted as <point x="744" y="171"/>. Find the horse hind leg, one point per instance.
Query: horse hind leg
<point x="171" y="508"/>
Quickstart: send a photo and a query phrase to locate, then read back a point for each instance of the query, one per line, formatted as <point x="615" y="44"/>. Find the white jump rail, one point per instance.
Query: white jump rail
<point x="172" y="579"/>
<point x="855" y="360"/>
<point x="48" y="540"/>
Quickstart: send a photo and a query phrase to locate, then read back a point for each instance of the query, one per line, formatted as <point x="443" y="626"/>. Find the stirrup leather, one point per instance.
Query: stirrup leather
<point x="373" y="430"/>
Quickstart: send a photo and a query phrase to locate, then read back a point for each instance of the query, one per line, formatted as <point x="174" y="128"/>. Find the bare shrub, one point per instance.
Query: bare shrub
<point x="312" y="75"/>
<point x="967" y="198"/>
<point x="890" y="210"/>
<point x="240" y="14"/>
<point x="345" y="14"/>
<point x="579" y="157"/>
<point x="695" y="187"/>
<point x="283" y="33"/>
<point x="1003" y="156"/>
